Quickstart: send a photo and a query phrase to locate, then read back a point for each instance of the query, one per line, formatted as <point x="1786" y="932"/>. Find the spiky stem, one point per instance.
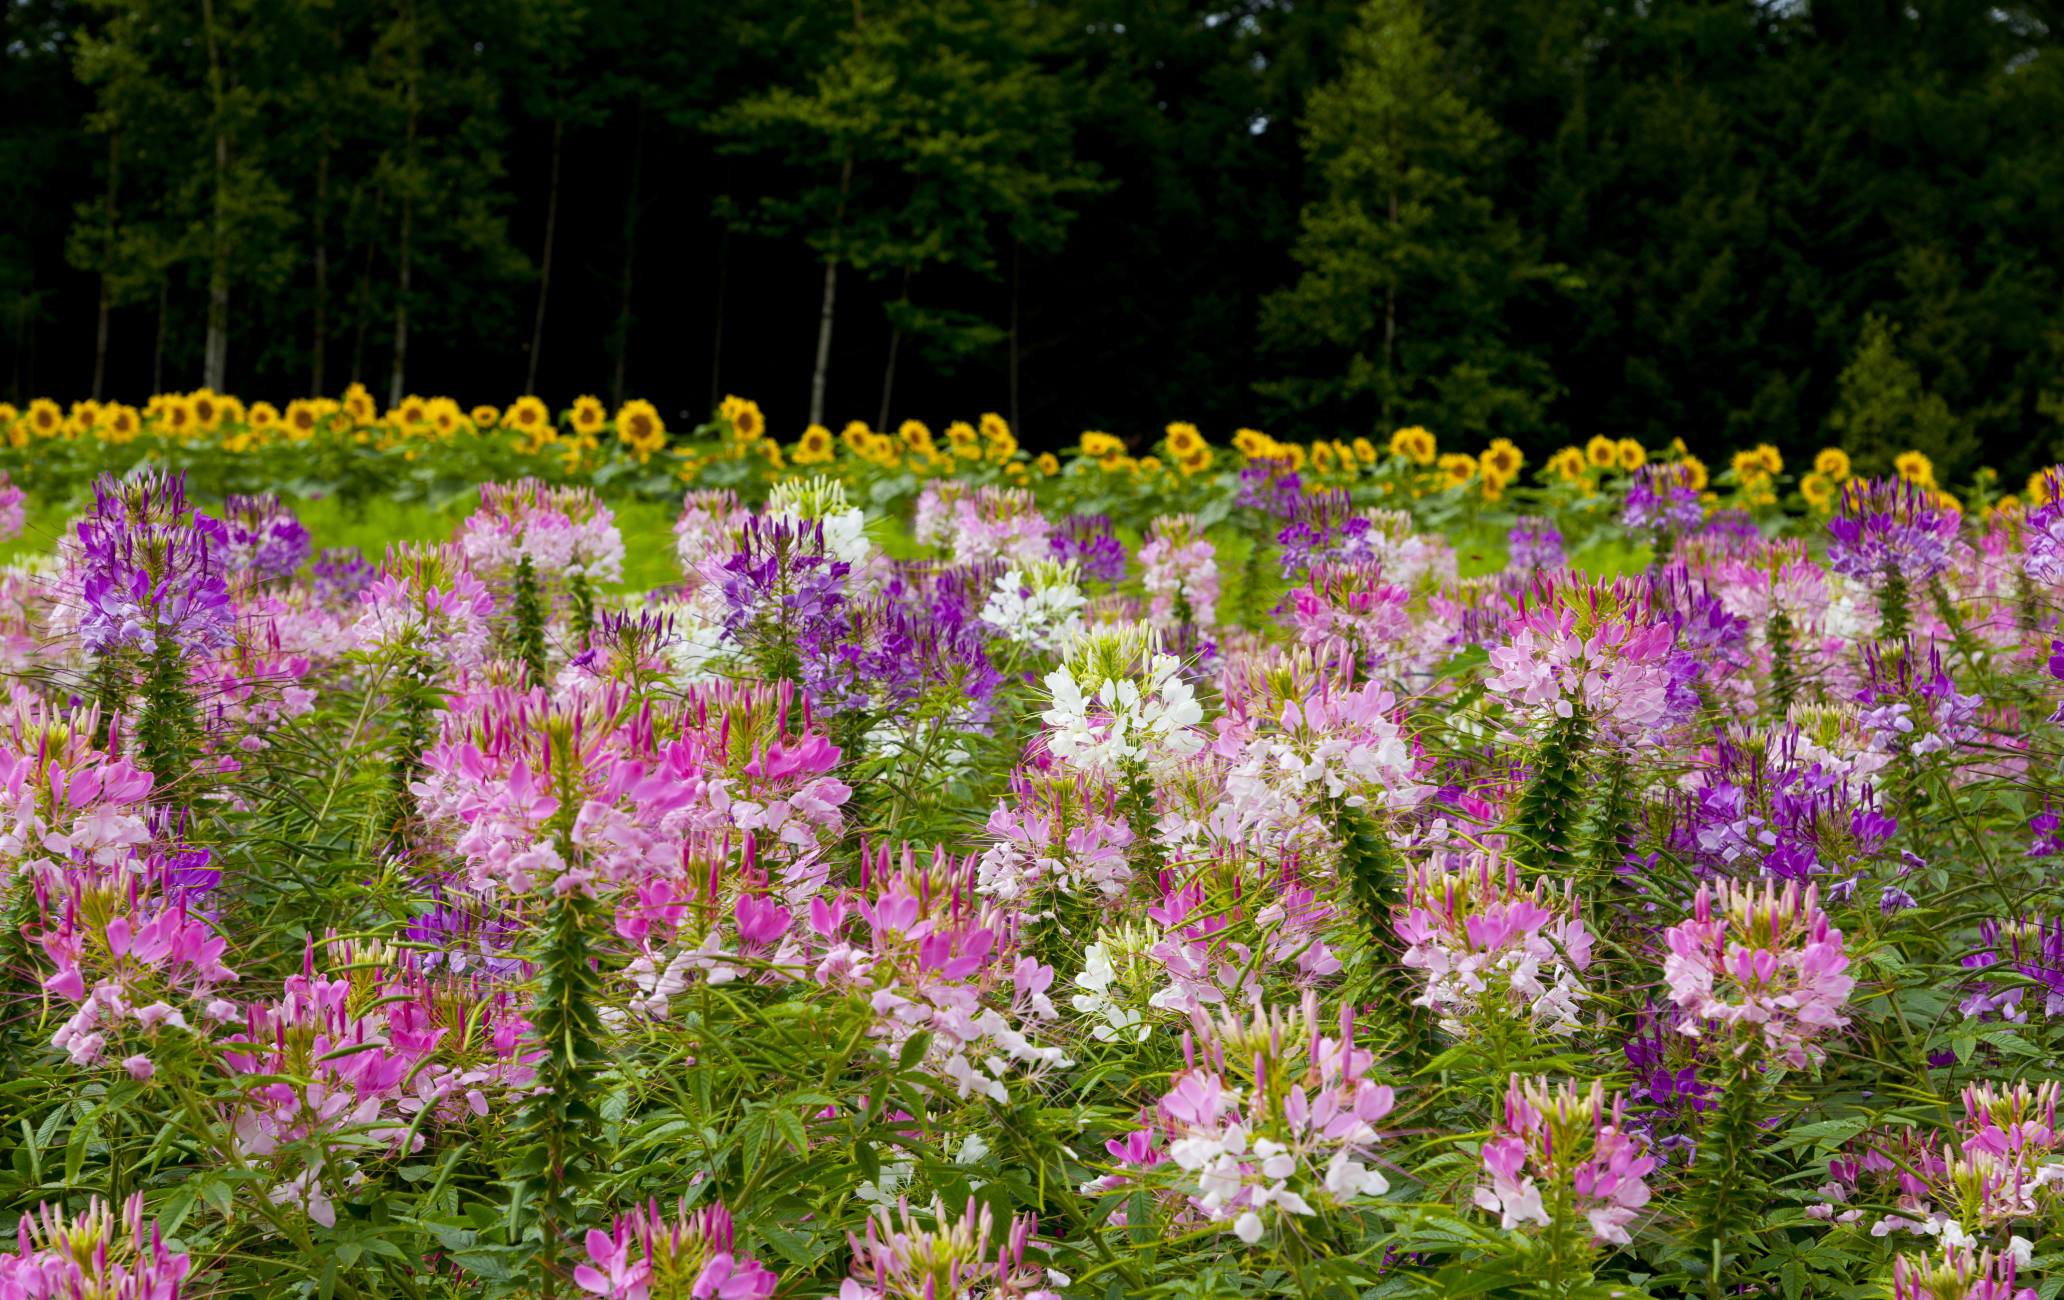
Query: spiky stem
<point x="528" y="613"/>
<point x="1551" y="810"/>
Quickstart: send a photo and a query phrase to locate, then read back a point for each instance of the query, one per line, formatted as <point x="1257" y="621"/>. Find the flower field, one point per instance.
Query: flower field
<point x="886" y="866"/>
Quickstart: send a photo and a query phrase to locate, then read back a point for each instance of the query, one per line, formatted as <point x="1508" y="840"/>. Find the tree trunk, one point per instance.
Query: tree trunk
<point x="107" y="261"/>
<point x="630" y="256"/>
<point x="537" y="329"/>
<point x="888" y="381"/>
<point x="319" y="344"/>
<point x="830" y="295"/>
<point x="215" y="355"/>
<point x="716" y="363"/>
<point x="362" y="297"/>
<point x="1016" y="258"/>
<point x="397" y="379"/>
<point x="157" y="359"/>
<point x="1390" y="318"/>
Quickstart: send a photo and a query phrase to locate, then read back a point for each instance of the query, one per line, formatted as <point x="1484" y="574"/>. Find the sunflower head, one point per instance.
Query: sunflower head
<point x="1047" y="463"/>
<point x="588" y="415"/>
<point x="816" y="447"/>
<point x="1818" y="489"/>
<point x="175" y="414"/>
<point x="444" y="415"/>
<point x="485" y="416"/>
<point x="1831" y="462"/>
<point x="1252" y="443"/>
<point x="1147" y="464"/>
<point x="1101" y="446"/>
<point x="1602" y="452"/>
<point x="1915" y="467"/>
<point x="1630" y="455"/>
<point x="301" y="419"/>
<point x="207" y="409"/>
<point x="1456" y="468"/>
<point x="859" y="439"/>
<point x="121" y="425"/>
<point x="530" y="417"/>
<point x="1196" y="462"/>
<point x="1323" y="458"/>
<point x="915" y="435"/>
<point x="1568" y="464"/>
<point x="1183" y="439"/>
<point x="46" y="419"/>
<point x="995" y="428"/>
<point x="1501" y="461"/>
<point x="639" y="427"/>
<point x="1692" y="472"/>
<point x="1415" y="444"/>
<point x="262" y="416"/>
<point x="358" y="404"/>
<point x="962" y="434"/>
<point x="743" y="415"/>
<point x="1364" y="451"/>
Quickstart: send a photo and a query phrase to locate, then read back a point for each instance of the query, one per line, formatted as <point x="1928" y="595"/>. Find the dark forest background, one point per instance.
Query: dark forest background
<point x="1730" y="222"/>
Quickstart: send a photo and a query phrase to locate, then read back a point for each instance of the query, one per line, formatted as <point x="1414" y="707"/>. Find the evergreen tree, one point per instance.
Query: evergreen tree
<point x="1400" y="314"/>
<point x="1883" y="408"/>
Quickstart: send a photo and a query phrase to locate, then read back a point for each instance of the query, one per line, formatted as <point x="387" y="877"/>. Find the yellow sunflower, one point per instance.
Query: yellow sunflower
<point x="358" y="404"/>
<point x="412" y="412"/>
<point x="2007" y="505"/>
<point x="1630" y="454"/>
<point x="207" y="409"/>
<point x="120" y="422"/>
<point x="1002" y="444"/>
<point x="1101" y="446"/>
<point x="232" y="409"/>
<point x="1323" y="461"/>
<point x="1364" y="451"/>
<point x="10" y="420"/>
<point x="1148" y="464"/>
<point x="444" y="415"/>
<point x="995" y="428"/>
<point x="1183" y="439"/>
<point x="1196" y="462"/>
<point x="1832" y="462"/>
<point x="1602" y="452"/>
<point x="301" y="419"/>
<point x="1416" y="444"/>
<point x="45" y="418"/>
<point x="915" y="435"/>
<point x="962" y="438"/>
<point x="2041" y="486"/>
<point x="1047" y="463"/>
<point x="1252" y="443"/>
<point x="485" y="416"/>
<point x="530" y="417"/>
<point x="1915" y="467"/>
<point x="747" y="424"/>
<point x="858" y="438"/>
<point x="816" y="447"/>
<point x="1818" y="489"/>
<point x="1692" y="471"/>
<point x="639" y="427"/>
<point x="1568" y="464"/>
<point x="263" y="416"/>
<point x="1457" y="468"/>
<point x="175" y="415"/>
<point x="1501" y="461"/>
<point x="588" y="415"/>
